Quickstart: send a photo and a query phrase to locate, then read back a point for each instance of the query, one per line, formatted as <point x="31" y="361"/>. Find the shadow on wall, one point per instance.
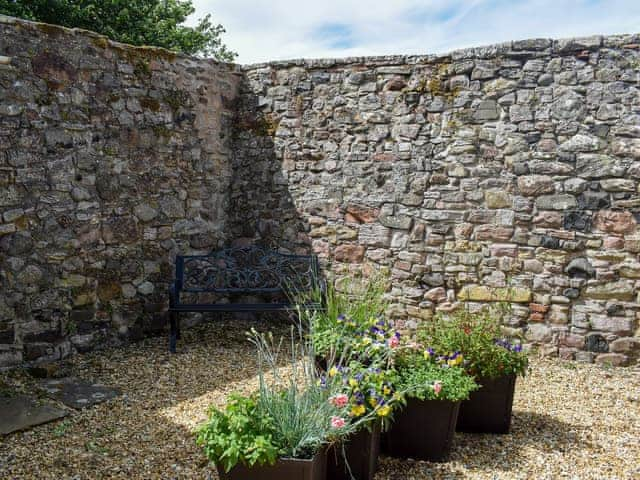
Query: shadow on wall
<point x="262" y="210"/>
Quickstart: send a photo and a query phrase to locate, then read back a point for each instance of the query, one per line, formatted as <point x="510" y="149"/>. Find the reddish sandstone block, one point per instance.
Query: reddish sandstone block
<point x="613" y="243"/>
<point x="615" y="222"/>
<point x="536" y="317"/>
<point x="349" y="253"/>
<point x="538" y="307"/>
<point x="361" y="214"/>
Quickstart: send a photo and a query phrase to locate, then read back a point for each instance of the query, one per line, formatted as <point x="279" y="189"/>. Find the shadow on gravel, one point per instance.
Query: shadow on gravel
<point x="539" y="431"/>
<point x="141" y="434"/>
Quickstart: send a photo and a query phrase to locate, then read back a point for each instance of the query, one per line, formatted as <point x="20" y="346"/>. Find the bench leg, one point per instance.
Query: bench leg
<point x="174" y="331"/>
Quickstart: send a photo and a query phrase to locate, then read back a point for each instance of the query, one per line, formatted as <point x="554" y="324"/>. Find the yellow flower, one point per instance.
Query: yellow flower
<point x="366" y="340"/>
<point x="455" y="361"/>
<point x="357" y="410"/>
<point x="373" y="402"/>
<point x="353" y="382"/>
<point x="386" y="390"/>
<point x="333" y="371"/>
<point x="384" y="411"/>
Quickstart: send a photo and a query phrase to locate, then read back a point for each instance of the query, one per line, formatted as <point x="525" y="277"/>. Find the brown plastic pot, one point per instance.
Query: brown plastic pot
<point x="488" y="409"/>
<point x="423" y="430"/>
<point x="360" y="451"/>
<point x="284" y="468"/>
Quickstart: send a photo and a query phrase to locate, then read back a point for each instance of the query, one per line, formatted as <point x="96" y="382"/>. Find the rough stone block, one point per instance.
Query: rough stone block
<point x="349" y="253"/>
<point x="625" y="345"/>
<point x="585" y="357"/>
<point x="619" y="290"/>
<point x="612" y="359"/>
<point x="498" y="199"/>
<point x="556" y="202"/>
<point x="617" y="325"/>
<point x="534" y="185"/>
<point x="481" y="293"/>
<point x="612" y="221"/>
<point x="374" y="235"/>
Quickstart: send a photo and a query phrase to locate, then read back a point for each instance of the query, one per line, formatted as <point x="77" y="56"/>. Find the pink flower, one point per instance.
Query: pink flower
<point x="437" y="386"/>
<point x="394" y="342"/>
<point x="337" y="422"/>
<point x="339" y="400"/>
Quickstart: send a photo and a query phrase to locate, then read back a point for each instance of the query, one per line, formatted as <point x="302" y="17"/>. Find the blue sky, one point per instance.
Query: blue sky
<point x="283" y="29"/>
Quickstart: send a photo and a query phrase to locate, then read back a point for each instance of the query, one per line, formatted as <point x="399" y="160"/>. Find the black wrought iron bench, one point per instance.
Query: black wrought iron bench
<point x="254" y="271"/>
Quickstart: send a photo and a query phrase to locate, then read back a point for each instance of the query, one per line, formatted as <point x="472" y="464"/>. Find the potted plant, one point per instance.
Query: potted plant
<point x="433" y="387"/>
<point x="352" y="323"/>
<point x="490" y="357"/>
<point x="284" y="429"/>
<point x="351" y="338"/>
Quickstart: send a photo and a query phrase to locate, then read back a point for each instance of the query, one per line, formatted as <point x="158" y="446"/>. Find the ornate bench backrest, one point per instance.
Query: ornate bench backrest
<point x="247" y="270"/>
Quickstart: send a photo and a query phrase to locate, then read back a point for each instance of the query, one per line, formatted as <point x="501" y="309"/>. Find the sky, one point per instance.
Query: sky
<point x="261" y="31"/>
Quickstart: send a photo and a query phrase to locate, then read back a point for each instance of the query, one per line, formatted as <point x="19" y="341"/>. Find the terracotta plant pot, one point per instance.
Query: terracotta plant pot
<point x="488" y="409"/>
<point x="423" y="430"/>
<point x="284" y="468"/>
<point x="361" y="451"/>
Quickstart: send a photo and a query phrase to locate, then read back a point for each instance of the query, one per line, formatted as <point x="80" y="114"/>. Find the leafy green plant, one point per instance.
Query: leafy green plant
<point x="479" y="337"/>
<point x="300" y="400"/>
<point x="239" y="433"/>
<point x="426" y="376"/>
<point x="295" y="412"/>
<point x="353" y="320"/>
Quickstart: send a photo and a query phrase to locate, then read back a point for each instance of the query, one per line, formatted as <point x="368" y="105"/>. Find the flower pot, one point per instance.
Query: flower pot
<point x="361" y="451"/>
<point x="284" y="468"/>
<point x="423" y="430"/>
<point x="488" y="409"/>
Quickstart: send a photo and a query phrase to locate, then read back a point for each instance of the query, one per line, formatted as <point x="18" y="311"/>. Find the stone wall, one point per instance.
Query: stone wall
<point x="508" y="172"/>
<point x="112" y="159"/>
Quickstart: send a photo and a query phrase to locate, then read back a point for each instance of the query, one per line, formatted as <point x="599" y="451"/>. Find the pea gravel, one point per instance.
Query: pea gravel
<point x="571" y="421"/>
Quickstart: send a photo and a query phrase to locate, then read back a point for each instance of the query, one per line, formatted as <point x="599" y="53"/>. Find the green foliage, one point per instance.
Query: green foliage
<point x="299" y="399"/>
<point x="294" y="413"/>
<point x="348" y="318"/>
<point x="425" y="376"/>
<point x="239" y="433"/>
<point x="479" y="337"/>
<point x="137" y="22"/>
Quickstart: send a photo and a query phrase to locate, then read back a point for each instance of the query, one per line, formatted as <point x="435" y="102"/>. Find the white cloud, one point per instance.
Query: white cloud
<point x="283" y="29"/>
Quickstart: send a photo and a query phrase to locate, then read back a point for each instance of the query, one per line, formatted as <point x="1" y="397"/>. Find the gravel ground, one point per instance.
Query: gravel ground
<point x="570" y="421"/>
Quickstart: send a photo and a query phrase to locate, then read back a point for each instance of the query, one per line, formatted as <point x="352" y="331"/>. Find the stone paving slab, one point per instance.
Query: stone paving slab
<point x="22" y="412"/>
<point x="77" y="393"/>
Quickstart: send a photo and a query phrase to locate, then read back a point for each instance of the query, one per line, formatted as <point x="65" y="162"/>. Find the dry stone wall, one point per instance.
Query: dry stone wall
<point x="112" y="159"/>
<point x="508" y="172"/>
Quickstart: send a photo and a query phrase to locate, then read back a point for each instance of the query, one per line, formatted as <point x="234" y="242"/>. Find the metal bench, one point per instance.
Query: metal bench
<point x="230" y="272"/>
